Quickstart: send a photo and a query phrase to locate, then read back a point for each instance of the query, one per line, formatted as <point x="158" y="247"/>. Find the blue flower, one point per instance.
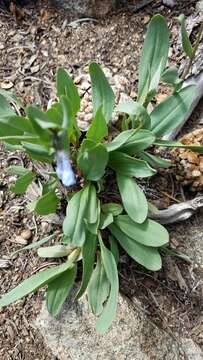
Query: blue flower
<point x="64" y="169"/>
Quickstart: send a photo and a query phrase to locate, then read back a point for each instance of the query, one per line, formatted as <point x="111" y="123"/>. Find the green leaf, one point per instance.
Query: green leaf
<point x="58" y="290"/>
<point x="71" y="214"/>
<point x="88" y="259"/>
<point x="134" y="109"/>
<point x="113" y="208"/>
<point x="40" y="118"/>
<point x="20" y="138"/>
<point x="141" y="140"/>
<point x="35" y="244"/>
<point x="93" y="211"/>
<point x="120" y="140"/>
<point x="55" y="114"/>
<point x="168" y="143"/>
<point x="126" y="165"/>
<point x="68" y="119"/>
<point x="49" y="186"/>
<point x="98" y="288"/>
<point x="47" y="204"/>
<point x="5" y="107"/>
<point x="114" y="248"/>
<point x="11" y="97"/>
<point x="92" y="214"/>
<point x="186" y="44"/>
<point x="55" y="251"/>
<point x="105" y="220"/>
<point x="7" y="130"/>
<point x="98" y="129"/>
<point x="170" y="76"/>
<point x="155" y="161"/>
<point x="74" y="225"/>
<point x="38" y="152"/>
<point x="36" y="281"/>
<point x="66" y="86"/>
<point x="17" y="122"/>
<point x="13" y="147"/>
<point x="68" y="115"/>
<point x="23" y="182"/>
<point x="102" y="92"/>
<point x="93" y="161"/>
<point x="40" y="123"/>
<point x="109" y="312"/>
<point x="133" y="199"/>
<point x="146" y="256"/>
<point x="149" y="233"/>
<point x="17" y="170"/>
<point x="154" y="56"/>
<point x="170" y="113"/>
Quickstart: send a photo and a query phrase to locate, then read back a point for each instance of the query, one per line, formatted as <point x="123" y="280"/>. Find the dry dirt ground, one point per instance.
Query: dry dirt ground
<point x="30" y="51"/>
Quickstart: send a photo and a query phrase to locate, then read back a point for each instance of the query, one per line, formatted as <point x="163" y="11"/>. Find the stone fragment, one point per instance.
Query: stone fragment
<point x="72" y="335"/>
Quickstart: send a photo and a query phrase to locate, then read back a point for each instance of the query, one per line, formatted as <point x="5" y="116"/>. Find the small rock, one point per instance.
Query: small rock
<point x="19" y="240"/>
<point x="45" y="227"/>
<point x="72" y="335"/>
<point x="26" y="234"/>
<point x="6" y="85"/>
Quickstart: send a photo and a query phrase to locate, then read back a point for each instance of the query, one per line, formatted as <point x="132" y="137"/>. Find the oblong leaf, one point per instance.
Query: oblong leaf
<point x="35" y="282"/>
<point x="18" y="122"/>
<point x="141" y="140"/>
<point x="126" y="165"/>
<point x="113" y="208"/>
<point x="88" y="259"/>
<point x="58" y="290"/>
<point x="102" y="92"/>
<point x="98" y="288"/>
<point x="155" y="161"/>
<point x="66" y="86"/>
<point x="154" y="56"/>
<point x="133" y="199"/>
<point x="93" y="161"/>
<point x="23" y="182"/>
<point x="146" y="256"/>
<point x="47" y="204"/>
<point x="149" y="233"/>
<point x="105" y="220"/>
<point x="170" y="113"/>
<point x="98" y="129"/>
<point x="38" y="152"/>
<point x="186" y="44"/>
<point x="54" y="251"/>
<point x="74" y="225"/>
<point x="120" y="140"/>
<point x="109" y="312"/>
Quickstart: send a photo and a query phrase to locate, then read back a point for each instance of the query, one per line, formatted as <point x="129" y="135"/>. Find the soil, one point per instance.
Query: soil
<point x="31" y="48"/>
